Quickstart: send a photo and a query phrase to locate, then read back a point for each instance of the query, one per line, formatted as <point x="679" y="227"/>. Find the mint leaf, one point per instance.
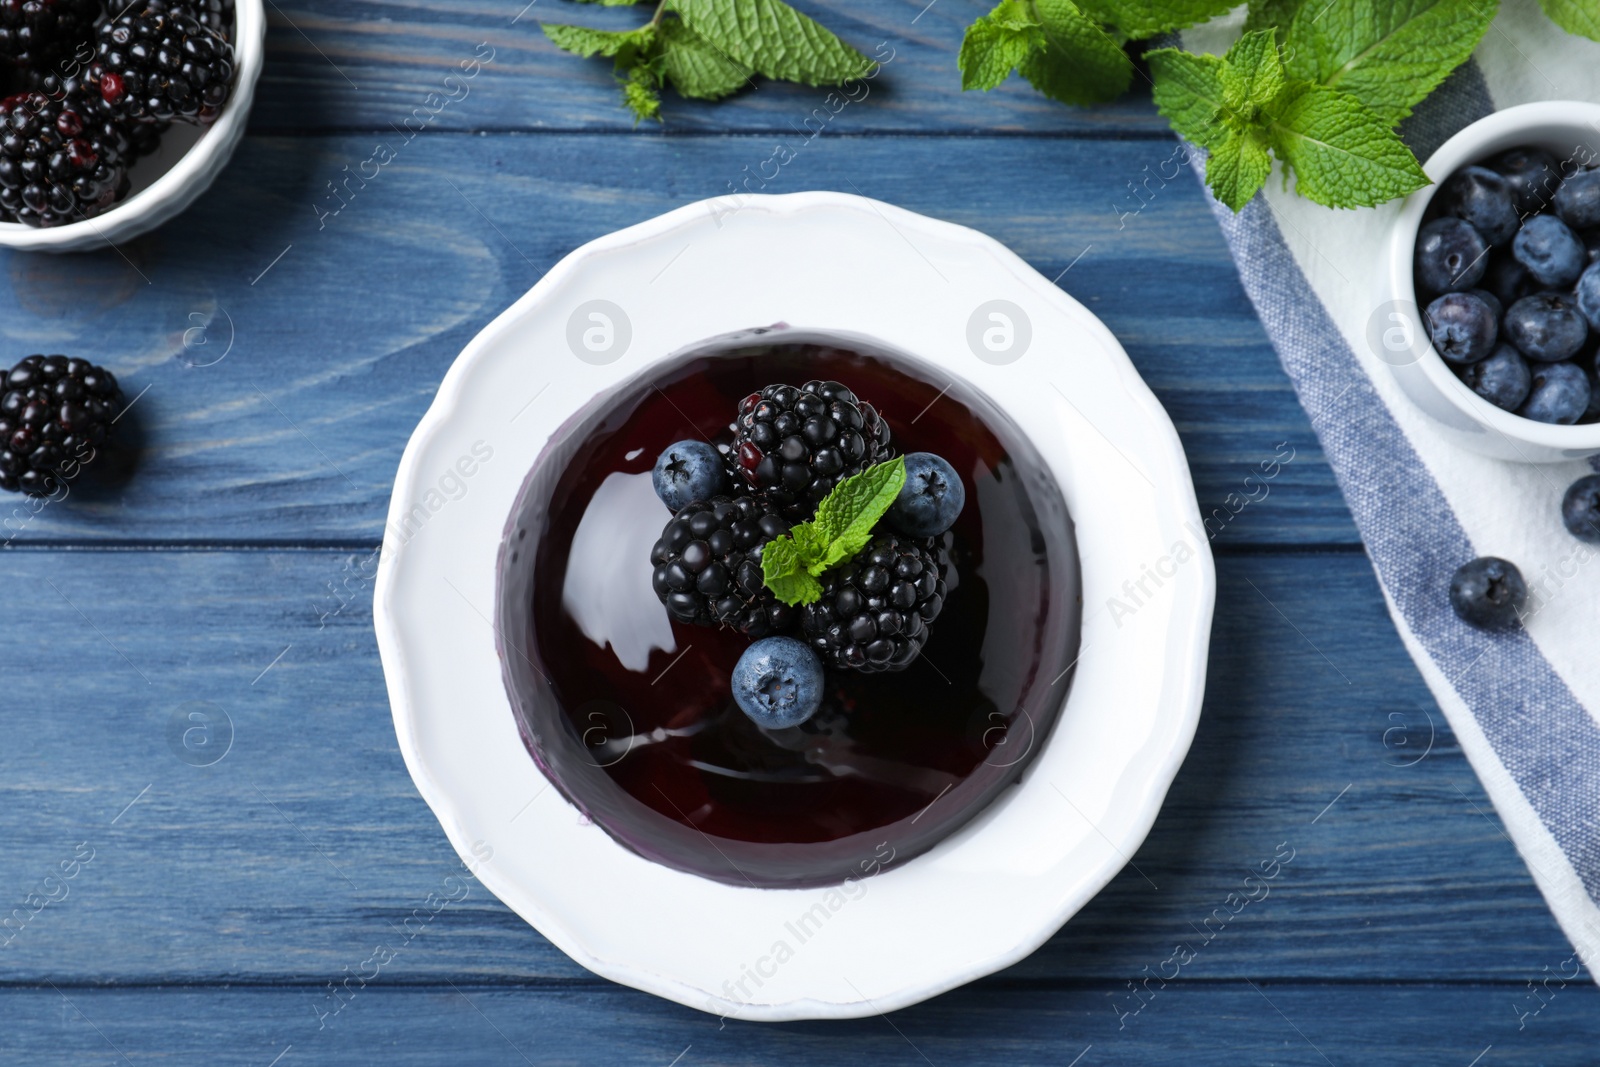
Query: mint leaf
<point x="846" y="516"/>
<point x="1258" y="75"/>
<point x="1080" y="63"/>
<point x="1342" y="154"/>
<point x="842" y="527"/>
<point x="1388" y="54"/>
<point x="1575" y="16"/>
<point x="1146" y="18"/>
<point x="586" y="42"/>
<point x="998" y="43"/>
<point x="1190" y="90"/>
<point x="697" y="68"/>
<point x="783" y="570"/>
<point x="641" y="94"/>
<point x="1271" y="14"/>
<point x="1238" y="166"/>
<point x="774" y="39"/>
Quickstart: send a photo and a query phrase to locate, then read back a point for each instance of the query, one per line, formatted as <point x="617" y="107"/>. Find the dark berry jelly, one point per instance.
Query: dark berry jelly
<point x="631" y="715"/>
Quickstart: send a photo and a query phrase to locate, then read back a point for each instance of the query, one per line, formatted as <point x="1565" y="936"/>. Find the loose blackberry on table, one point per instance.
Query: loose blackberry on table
<point x="707" y="566"/>
<point x="795" y="444"/>
<point x="55" y="416"/>
<point x="875" y="610"/>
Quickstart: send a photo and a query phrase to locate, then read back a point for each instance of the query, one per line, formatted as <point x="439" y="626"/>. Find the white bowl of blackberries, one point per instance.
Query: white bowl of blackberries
<point x="116" y="116"/>
<point x="1501" y="257"/>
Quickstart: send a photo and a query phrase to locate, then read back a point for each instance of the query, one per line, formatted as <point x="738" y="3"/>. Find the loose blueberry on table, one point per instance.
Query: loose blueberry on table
<point x="92" y="87"/>
<point x="1489" y="593"/>
<point x="1580" y="509"/>
<point x="1506" y="267"/>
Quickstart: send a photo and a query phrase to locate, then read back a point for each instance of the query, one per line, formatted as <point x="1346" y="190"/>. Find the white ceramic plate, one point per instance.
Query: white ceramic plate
<point x="166" y="183"/>
<point x="820" y="262"/>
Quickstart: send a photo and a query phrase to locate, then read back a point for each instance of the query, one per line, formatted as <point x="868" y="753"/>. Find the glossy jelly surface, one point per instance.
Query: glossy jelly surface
<point x="631" y="715"/>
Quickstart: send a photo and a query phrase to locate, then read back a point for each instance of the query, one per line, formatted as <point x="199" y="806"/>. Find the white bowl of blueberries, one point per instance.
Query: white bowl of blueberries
<point x="1502" y="258"/>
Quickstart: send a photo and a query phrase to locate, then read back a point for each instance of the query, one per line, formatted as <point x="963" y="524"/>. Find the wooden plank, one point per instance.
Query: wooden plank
<point x="341" y="326"/>
<point x="305" y="844"/>
<point x="1214" y="1024"/>
<point x="367" y="64"/>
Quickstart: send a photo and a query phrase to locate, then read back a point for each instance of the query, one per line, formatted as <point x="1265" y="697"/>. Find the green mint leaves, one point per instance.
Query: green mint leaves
<point x="1147" y="18"/>
<point x="773" y="39"/>
<point x="1318" y="85"/>
<point x="1575" y="16"/>
<point x="1341" y="154"/>
<point x="1250" y="104"/>
<point x="1062" y="52"/>
<point x="843" y="527"/>
<point x="709" y="49"/>
<point x="1388" y="54"/>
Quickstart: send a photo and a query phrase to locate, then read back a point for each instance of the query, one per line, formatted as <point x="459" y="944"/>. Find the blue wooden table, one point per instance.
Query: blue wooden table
<point x="282" y="353"/>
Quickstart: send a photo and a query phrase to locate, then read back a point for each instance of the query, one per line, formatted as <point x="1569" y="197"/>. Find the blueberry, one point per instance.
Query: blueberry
<point x="1588" y="296"/>
<point x="1489" y="593"/>
<point x="1592" y="412"/>
<point x="1496" y="308"/>
<point x="1507" y="279"/>
<point x="1559" y="394"/>
<point x="1532" y="175"/>
<point x="1503" y="379"/>
<point x="778" y="682"/>
<point x="932" y="498"/>
<point x="1550" y="250"/>
<point x="688" y="471"/>
<point x="1580" y="509"/>
<point x="1483" y="198"/>
<point x="1591" y="245"/>
<point x="1546" y="326"/>
<point x="1450" y="255"/>
<point x="1577" y="201"/>
<point x="1461" y="326"/>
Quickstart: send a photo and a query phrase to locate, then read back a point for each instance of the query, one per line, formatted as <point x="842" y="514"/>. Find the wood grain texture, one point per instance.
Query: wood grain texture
<point x="365" y="64"/>
<point x="1190" y="1022"/>
<point x="306" y="844"/>
<point x="323" y="337"/>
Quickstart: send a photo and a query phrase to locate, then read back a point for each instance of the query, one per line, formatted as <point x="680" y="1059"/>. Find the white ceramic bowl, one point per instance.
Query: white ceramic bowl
<point x="835" y="265"/>
<point x="1396" y="331"/>
<point x="167" y="182"/>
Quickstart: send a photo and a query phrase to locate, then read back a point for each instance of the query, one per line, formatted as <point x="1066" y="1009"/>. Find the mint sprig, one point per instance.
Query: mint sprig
<point x="1248" y="105"/>
<point x="1062" y="52"/>
<point x="791" y="565"/>
<point x="709" y="49"/>
<point x="1318" y="85"/>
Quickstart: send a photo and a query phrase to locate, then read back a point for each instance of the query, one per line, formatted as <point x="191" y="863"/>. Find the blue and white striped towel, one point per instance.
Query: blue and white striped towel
<point x="1525" y="708"/>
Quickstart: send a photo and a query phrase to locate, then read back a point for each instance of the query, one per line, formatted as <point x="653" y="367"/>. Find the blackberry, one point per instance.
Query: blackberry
<point x="708" y="566"/>
<point x="214" y="15"/>
<point x="160" y="66"/>
<point x="794" y="445"/>
<point x="37" y="33"/>
<point x="61" y="160"/>
<point x="55" y="414"/>
<point x="135" y="140"/>
<point x="876" y="608"/>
